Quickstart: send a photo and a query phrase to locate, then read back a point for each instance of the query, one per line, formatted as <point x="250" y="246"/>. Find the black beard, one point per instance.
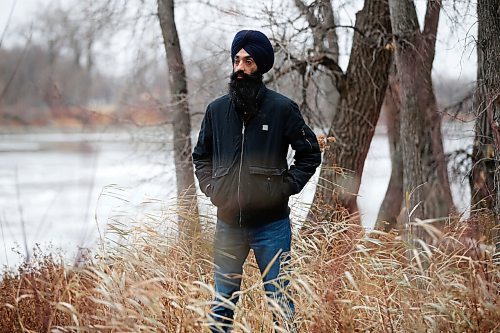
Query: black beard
<point x="244" y="92"/>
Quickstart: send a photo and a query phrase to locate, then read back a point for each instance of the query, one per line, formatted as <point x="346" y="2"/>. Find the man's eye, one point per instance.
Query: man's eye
<point x="249" y="62"/>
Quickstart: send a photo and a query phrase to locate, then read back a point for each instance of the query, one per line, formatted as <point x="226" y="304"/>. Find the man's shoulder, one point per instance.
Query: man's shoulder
<point x="218" y="102"/>
<point x="275" y="97"/>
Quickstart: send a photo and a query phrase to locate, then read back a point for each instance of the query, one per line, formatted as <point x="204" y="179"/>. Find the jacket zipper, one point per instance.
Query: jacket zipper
<point x="239" y="171"/>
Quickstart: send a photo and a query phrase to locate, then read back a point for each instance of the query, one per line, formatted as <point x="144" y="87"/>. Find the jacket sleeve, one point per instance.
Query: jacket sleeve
<point x="202" y="154"/>
<point x="307" y="152"/>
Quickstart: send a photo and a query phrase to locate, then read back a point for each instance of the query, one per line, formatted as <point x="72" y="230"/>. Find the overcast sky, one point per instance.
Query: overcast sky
<point x="455" y="52"/>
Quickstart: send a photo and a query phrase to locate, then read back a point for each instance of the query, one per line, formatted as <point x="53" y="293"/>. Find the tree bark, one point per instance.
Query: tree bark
<point x="325" y="39"/>
<point x="440" y="201"/>
<point x="425" y="177"/>
<point x="485" y="181"/>
<point x="391" y="206"/>
<point x="361" y="91"/>
<point x="186" y="192"/>
<point x="329" y="29"/>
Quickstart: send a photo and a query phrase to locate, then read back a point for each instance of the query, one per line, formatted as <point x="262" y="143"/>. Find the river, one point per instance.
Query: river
<point x="60" y="188"/>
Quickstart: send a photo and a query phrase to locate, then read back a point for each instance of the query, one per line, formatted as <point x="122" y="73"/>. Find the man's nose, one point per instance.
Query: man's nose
<point x="240" y="67"/>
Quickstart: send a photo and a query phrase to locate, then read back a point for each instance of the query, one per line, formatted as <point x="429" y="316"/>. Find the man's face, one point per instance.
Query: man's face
<point x="244" y="62"/>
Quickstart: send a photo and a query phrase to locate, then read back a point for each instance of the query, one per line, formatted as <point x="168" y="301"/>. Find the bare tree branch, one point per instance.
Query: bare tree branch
<point x="306" y="11"/>
<point x="329" y="29"/>
<point x="430" y="28"/>
<point x="8" y="22"/>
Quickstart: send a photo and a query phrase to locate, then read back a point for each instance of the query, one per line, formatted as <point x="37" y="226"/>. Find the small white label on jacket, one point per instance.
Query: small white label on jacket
<point x="265" y="127"/>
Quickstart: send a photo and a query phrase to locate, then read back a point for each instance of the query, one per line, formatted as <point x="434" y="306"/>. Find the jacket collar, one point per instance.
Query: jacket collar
<point x="261" y="94"/>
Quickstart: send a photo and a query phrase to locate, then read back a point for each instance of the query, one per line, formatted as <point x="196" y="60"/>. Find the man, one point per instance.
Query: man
<point x="241" y="164"/>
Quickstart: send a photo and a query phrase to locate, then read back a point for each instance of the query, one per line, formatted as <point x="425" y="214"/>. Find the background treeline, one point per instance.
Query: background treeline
<point x="63" y="59"/>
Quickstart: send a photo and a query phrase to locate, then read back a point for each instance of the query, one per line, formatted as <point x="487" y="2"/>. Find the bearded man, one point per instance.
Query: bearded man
<point x="241" y="164"/>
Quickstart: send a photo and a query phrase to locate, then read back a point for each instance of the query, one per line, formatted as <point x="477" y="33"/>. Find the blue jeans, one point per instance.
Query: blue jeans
<point x="271" y="246"/>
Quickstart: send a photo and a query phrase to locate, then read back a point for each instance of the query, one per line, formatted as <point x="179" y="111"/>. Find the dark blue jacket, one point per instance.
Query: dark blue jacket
<point x="243" y="167"/>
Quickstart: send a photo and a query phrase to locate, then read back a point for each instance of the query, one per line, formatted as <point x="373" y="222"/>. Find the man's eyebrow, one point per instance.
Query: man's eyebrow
<point x="245" y="57"/>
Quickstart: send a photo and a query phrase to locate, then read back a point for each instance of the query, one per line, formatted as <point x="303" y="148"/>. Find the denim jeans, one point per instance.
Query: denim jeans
<point x="271" y="246"/>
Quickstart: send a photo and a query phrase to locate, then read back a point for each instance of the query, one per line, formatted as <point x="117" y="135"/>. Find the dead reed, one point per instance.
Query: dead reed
<point x="146" y="279"/>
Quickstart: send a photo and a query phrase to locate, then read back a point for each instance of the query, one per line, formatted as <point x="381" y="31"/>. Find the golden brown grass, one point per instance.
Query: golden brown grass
<point x="145" y="280"/>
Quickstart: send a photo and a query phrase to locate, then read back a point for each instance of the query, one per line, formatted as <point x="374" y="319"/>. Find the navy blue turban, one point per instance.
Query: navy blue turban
<point x="258" y="47"/>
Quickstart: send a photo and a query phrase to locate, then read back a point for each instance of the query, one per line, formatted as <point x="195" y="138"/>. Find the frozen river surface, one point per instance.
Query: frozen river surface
<point x="61" y="188"/>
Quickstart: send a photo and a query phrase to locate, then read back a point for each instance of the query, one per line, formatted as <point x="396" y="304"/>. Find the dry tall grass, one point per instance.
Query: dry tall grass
<point x="145" y="280"/>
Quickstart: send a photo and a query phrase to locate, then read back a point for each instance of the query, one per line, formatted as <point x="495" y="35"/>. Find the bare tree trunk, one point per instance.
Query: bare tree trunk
<point x="393" y="200"/>
<point x="425" y="177"/>
<point x="186" y="192"/>
<point x="361" y="91"/>
<point x="89" y="66"/>
<point x="321" y="20"/>
<point x="486" y="151"/>
<point x="329" y="29"/>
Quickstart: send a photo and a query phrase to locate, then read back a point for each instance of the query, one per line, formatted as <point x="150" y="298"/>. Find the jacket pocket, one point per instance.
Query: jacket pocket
<point x="266" y="186"/>
<point x="266" y="171"/>
<point x="217" y="179"/>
